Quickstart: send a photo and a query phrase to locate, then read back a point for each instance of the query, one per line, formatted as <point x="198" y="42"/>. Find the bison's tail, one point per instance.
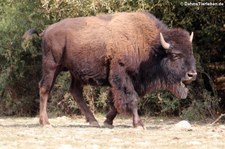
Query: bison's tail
<point x="29" y="34"/>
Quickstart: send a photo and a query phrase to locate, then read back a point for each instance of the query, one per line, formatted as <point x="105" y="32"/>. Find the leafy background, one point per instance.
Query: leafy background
<point x="20" y="62"/>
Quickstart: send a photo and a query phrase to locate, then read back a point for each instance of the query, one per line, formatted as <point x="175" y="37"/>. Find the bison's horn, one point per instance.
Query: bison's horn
<point x="163" y="42"/>
<point x="191" y="37"/>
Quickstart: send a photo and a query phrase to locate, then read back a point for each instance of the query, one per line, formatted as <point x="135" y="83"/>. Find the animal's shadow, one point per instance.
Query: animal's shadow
<point x="20" y="125"/>
<point x="73" y="126"/>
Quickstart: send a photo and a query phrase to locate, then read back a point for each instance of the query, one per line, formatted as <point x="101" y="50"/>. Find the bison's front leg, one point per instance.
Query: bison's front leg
<point x="125" y="97"/>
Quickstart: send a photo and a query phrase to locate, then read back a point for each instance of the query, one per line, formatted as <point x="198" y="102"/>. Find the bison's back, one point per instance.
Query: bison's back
<point x="86" y="45"/>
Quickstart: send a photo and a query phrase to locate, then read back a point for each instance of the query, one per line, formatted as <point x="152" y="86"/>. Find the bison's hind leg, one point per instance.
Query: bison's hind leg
<point x="45" y="85"/>
<point x="43" y="92"/>
<point x="76" y="90"/>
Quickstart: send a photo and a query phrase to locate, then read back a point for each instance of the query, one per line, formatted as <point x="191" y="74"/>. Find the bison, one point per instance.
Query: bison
<point x="132" y="53"/>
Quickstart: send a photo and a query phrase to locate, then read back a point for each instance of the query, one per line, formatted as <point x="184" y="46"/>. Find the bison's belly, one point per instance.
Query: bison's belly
<point x="94" y="77"/>
<point x="92" y="73"/>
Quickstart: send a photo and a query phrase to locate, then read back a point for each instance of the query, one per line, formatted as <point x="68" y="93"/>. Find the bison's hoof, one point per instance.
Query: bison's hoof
<point x="107" y="125"/>
<point x="94" y="124"/>
<point x="47" y="126"/>
<point x="43" y="123"/>
<point x="139" y="125"/>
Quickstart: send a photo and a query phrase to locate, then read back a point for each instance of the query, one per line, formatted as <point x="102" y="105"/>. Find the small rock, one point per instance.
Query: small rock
<point x="194" y="143"/>
<point x="184" y="125"/>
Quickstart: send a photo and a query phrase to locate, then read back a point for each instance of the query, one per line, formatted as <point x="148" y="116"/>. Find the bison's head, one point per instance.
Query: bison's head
<point x="178" y="63"/>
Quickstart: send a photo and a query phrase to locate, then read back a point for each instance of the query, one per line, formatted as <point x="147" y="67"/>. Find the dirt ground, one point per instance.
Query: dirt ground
<point x="74" y="133"/>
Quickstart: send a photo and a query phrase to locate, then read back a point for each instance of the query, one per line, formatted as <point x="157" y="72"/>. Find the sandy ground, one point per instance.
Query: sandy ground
<point x="67" y="133"/>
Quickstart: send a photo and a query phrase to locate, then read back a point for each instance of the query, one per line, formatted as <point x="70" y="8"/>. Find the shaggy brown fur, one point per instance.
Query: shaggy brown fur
<point x="121" y="50"/>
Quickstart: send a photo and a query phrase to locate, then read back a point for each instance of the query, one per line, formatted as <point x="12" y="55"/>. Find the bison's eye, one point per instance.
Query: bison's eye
<point x="175" y="56"/>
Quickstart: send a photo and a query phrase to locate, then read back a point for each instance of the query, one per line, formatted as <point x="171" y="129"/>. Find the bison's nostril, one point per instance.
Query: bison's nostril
<point x="192" y="74"/>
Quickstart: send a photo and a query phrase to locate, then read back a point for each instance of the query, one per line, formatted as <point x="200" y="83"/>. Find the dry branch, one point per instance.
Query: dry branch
<point x="218" y="119"/>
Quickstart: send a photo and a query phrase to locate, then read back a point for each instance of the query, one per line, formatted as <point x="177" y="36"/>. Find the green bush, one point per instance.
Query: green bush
<point x="20" y="68"/>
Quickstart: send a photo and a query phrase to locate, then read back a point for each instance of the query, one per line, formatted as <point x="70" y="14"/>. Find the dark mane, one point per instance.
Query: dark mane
<point x="151" y="74"/>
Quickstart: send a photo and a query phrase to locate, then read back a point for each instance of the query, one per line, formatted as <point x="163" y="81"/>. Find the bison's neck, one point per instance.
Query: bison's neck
<point x="149" y="86"/>
<point x="151" y="76"/>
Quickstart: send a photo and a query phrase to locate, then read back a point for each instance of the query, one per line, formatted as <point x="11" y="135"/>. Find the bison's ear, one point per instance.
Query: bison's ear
<point x="191" y="36"/>
<point x="164" y="44"/>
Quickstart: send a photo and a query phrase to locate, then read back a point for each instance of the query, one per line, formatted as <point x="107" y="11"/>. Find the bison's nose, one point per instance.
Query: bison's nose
<point x="191" y="75"/>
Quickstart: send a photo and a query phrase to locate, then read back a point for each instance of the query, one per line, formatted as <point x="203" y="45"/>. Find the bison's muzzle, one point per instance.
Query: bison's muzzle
<point x="189" y="77"/>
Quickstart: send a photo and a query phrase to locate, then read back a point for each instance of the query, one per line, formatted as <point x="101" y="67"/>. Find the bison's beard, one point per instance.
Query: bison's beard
<point x="176" y="88"/>
<point x="179" y="90"/>
<point x="182" y="91"/>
